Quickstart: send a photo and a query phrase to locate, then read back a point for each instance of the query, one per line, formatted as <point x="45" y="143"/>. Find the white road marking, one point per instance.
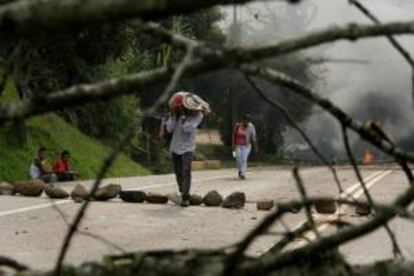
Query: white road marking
<point x="356" y="193"/>
<point x="60" y="202"/>
<point x="34" y="207"/>
<point x="357" y="185"/>
<point x="360" y="192"/>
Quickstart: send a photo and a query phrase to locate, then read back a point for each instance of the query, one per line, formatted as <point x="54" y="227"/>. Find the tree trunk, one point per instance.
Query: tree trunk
<point x="20" y="125"/>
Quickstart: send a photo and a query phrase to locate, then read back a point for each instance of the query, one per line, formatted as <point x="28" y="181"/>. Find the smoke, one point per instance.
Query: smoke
<point x="378" y="88"/>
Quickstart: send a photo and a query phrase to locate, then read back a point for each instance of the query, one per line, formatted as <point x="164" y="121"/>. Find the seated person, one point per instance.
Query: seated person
<point x="38" y="168"/>
<point x="62" y="168"/>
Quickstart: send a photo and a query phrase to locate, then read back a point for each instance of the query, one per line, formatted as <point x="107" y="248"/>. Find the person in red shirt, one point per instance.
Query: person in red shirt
<point x="62" y="168"/>
<point x="244" y="136"/>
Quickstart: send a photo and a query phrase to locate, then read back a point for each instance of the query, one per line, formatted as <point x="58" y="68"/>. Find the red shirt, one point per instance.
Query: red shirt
<point x="240" y="135"/>
<point x="61" y="166"/>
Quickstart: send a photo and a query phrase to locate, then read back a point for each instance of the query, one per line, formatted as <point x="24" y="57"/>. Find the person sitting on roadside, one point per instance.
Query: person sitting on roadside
<point x="38" y="168"/>
<point x="62" y="168"/>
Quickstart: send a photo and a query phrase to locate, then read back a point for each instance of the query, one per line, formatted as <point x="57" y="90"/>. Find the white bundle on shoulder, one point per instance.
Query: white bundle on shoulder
<point x="190" y="101"/>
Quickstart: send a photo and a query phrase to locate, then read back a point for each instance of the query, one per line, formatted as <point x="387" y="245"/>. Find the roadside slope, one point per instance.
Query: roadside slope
<point x="56" y="134"/>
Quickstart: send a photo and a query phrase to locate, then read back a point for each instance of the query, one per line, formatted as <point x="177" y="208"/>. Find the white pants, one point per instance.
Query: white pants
<point x="242" y="154"/>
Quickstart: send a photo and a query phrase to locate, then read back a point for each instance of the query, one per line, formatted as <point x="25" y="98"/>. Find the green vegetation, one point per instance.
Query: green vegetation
<point x="54" y="133"/>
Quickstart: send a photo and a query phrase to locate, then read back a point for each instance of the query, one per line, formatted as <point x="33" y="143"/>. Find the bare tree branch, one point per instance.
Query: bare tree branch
<point x="394" y="42"/>
<point x="110" y="160"/>
<point x="211" y="59"/>
<point x="178" y="73"/>
<point x="289" y="237"/>
<point x="351" y="32"/>
<point x="381" y="217"/>
<point x="316" y="61"/>
<point x="303" y="194"/>
<point x="268" y="263"/>
<point x="261" y="228"/>
<point x="8" y="262"/>
<point x="404" y="53"/>
<point x="82" y="210"/>
<point x="166" y="35"/>
<point x="354" y="164"/>
<point x="297" y="233"/>
<point x="302" y="133"/>
<point x="396" y="248"/>
<point x="365" y="131"/>
<point x="333" y="240"/>
<point x="284" y="224"/>
<point x="24" y="16"/>
<point x="29" y="17"/>
<point x="84" y="233"/>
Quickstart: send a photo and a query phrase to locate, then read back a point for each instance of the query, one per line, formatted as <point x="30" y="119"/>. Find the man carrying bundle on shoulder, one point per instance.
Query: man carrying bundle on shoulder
<point x="186" y="113"/>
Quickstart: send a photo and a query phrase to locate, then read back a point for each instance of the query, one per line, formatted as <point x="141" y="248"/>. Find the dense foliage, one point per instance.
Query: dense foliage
<point x="41" y="65"/>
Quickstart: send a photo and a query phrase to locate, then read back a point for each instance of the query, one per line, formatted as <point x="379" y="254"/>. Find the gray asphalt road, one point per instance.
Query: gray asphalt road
<point x="32" y="230"/>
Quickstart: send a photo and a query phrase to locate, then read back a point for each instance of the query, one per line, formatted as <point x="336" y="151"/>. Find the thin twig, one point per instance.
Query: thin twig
<point x="284" y="224"/>
<point x="303" y="194"/>
<point x="289" y="237"/>
<point x="404" y="53"/>
<point x="295" y="126"/>
<point x="369" y="133"/>
<point x="82" y="210"/>
<point x="8" y="262"/>
<point x="383" y="215"/>
<point x="396" y="248"/>
<point x="84" y="233"/>
<point x="166" y="35"/>
<point x="315" y="61"/>
<point x="178" y="73"/>
<point x="109" y="161"/>
<point x="295" y="86"/>
<point x="298" y="233"/>
<point x="394" y="42"/>
<point x="237" y="255"/>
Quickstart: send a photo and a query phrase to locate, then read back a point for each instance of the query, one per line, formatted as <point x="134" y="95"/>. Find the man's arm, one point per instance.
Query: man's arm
<point x="41" y="167"/>
<point x="192" y="122"/>
<point x="161" y="131"/>
<point x="170" y="123"/>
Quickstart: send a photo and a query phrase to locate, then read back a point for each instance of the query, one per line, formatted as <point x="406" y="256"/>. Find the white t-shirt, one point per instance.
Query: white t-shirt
<point x="34" y="172"/>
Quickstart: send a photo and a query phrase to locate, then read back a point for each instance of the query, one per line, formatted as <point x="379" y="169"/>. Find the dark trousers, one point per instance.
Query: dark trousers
<point x="62" y="177"/>
<point x="182" y="169"/>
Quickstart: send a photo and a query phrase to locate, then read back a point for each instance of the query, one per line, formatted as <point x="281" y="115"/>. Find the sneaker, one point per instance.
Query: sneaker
<point x="175" y="198"/>
<point x="185" y="200"/>
<point x="242" y="177"/>
<point x="185" y="203"/>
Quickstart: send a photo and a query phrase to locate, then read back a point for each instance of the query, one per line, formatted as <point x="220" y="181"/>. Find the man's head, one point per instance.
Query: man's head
<point x="246" y="119"/>
<point x="65" y="155"/>
<point x="41" y="153"/>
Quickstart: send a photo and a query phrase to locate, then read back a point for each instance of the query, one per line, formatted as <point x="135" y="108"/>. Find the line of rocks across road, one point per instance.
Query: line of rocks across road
<point x="34" y="188"/>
